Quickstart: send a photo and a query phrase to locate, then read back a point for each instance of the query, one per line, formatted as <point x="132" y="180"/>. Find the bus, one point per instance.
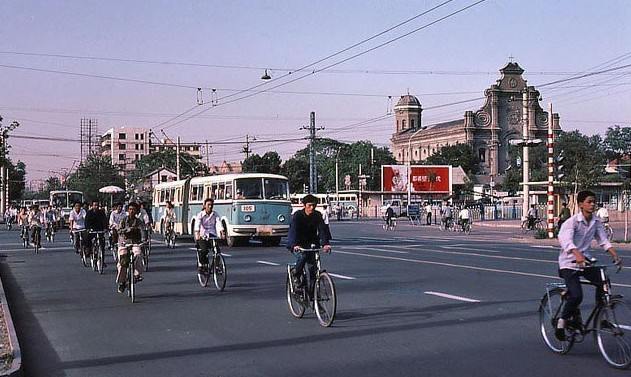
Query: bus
<point x="322" y="206"/>
<point x="64" y="200"/>
<point x="249" y="205"/>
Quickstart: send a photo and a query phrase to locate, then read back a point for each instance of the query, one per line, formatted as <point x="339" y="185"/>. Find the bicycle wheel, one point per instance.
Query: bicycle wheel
<point x="37" y="242"/>
<point x="131" y="291"/>
<point x="549" y="313"/>
<point x="613" y="334"/>
<point x="204" y="276"/>
<point x="145" y="258"/>
<point x="524" y="226"/>
<point x="467" y="229"/>
<point x="325" y="299"/>
<point x="294" y="300"/>
<point x="100" y="260"/>
<point x="220" y="273"/>
<point x="84" y="256"/>
<point x="609" y="232"/>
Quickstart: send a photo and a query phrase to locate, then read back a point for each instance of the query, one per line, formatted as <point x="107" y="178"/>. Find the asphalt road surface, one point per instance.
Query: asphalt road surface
<point x="412" y="302"/>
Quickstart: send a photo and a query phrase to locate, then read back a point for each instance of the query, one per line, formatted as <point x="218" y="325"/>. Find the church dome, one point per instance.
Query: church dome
<point x="408" y="101"/>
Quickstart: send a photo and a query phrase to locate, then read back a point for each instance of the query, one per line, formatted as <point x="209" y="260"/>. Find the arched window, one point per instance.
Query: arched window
<point x="411" y="123"/>
<point x="403" y="124"/>
<point x="482" y="154"/>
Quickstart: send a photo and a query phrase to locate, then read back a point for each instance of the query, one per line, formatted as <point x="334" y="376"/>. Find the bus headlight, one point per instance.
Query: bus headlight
<point x="281" y="218"/>
<point x="247" y="218"/>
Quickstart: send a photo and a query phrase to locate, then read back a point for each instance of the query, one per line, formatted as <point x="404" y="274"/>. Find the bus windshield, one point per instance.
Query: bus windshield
<point x="276" y="189"/>
<point x="75" y="198"/>
<point x="248" y="188"/>
<point x="60" y="200"/>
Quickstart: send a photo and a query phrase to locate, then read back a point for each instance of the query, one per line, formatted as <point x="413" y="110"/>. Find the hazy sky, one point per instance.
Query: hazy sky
<point x="227" y="44"/>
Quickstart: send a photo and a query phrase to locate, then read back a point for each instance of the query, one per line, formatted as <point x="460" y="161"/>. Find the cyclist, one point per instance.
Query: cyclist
<point x="446" y="215"/>
<point x="389" y="215"/>
<point x="145" y="216"/>
<point x="428" y="213"/>
<point x="77" y="224"/>
<point x="168" y="217"/>
<point x="464" y="217"/>
<point x="532" y="217"/>
<point x="603" y="213"/>
<point x="35" y="222"/>
<point x="206" y="224"/>
<point x="130" y="232"/>
<point x="116" y="217"/>
<point x="575" y="239"/>
<point x="563" y="215"/>
<point x="307" y="228"/>
<point x="95" y="220"/>
<point x="7" y="216"/>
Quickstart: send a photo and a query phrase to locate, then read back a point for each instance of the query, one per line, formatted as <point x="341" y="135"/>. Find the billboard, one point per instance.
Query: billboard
<point x="428" y="179"/>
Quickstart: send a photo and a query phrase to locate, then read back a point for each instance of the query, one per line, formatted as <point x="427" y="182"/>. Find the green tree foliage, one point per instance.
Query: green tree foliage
<point x="349" y="157"/>
<point x="189" y="165"/>
<point x="270" y="163"/>
<point x="617" y="142"/>
<point x="52" y="184"/>
<point x="17" y="180"/>
<point x="461" y="155"/>
<point x="93" y="173"/>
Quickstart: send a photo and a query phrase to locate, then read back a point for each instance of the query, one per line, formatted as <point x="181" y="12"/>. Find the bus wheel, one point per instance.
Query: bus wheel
<point x="231" y="241"/>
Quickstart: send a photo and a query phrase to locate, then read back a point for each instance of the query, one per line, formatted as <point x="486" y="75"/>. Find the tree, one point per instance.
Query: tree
<point x="617" y="142"/>
<point x="52" y="184"/>
<point x="92" y="174"/>
<point x="297" y="172"/>
<point x="270" y="163"/>
<point x="17" y="180"/>
<point x="461" y="155"/>
<point x="189" y="165"/>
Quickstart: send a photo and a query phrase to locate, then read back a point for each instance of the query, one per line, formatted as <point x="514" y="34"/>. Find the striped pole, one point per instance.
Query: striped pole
<point x="550" y="174"/>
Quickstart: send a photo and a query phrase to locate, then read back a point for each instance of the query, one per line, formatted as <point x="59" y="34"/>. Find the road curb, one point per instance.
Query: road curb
<point x="16" y="365"/>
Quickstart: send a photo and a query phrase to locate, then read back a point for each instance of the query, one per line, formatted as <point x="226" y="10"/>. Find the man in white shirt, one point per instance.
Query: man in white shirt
<point x="464" y="217"/>
<point x="603" y="213"/>
<point x="116" y="217"/>
<point x="575" y="238"/>
<point x="77" y="225"/>
<point x="207" y="225"/>
<point x="428" y="213"/>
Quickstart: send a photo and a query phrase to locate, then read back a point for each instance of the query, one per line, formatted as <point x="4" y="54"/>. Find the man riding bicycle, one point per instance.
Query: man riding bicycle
<point x="116" y="217"/>
<point x="168" y="217"/>
<point x="36" y="222"/>
<point x="389" y="215"/>
<point x="464" y="217"/>
<point x="77" y="225"/>
<point x="95" y="220"/>
<point x="207" y="224"/>
<point x="307" y="228"/>
<point x="575" y="239"/>
<point x="130" y="232"/>
<point x="532" y="217"/>
<point x="446" y="215"/>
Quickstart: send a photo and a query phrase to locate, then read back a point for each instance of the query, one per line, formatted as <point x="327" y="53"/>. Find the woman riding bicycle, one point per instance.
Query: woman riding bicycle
<point x="168" y="218"/>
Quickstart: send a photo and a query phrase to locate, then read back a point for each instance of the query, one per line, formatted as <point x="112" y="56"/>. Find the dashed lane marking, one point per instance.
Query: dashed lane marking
<point x="469" y="248"/>
<point x="445" y="295"/>
<point x="267" y="263"/>
<point x="341" y="276"/>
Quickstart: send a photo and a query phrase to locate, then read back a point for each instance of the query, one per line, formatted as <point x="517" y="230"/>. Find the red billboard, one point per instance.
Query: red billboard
<point x="430" y="179"/>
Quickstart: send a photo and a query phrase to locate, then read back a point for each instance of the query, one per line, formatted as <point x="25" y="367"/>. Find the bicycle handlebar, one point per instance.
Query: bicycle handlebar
<point x="594" y="264"/>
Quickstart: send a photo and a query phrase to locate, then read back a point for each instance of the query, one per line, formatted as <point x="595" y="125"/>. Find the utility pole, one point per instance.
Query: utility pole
<point x="177" y="158"/>
<point x="313" y="171"/>
<point x="207" y="154"/>
<point x="525" y="162"/>
<point x="246" y="148"/>
<point x="550" y="173"/>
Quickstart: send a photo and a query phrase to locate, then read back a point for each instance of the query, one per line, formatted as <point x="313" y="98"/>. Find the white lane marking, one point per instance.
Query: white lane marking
<point x="226" y="254"/>
<point x="544" y="247"/>
<point x="341" y="276"/>
<point x="267" y="263"/>
<point x="445" y="295"/>
<point x="469" y="248"/>
<point x="375" y="248"/>
<point x="511" y="272"/>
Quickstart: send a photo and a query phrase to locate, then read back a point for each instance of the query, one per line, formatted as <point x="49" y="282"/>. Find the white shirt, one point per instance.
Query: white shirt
<point x="116" y="218"/>
<point x="603" y="213"/>
<point x="168" y="214"/>
<point x="428" y="208"/>
<point x="464" y="214"/>
<point x="36" y="218"/>
<point x="77" y="219"/>
<point x="576" y="233"/>
<point x="142" y="215"/>
<point x="208" y="225"/>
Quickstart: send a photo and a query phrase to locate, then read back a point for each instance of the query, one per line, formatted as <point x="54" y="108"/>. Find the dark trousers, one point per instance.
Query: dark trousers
<point x="574" y="295"/>
<point x="306" y="258"/>
<point x="429" y="218"/>
<point x="203" y="246"/>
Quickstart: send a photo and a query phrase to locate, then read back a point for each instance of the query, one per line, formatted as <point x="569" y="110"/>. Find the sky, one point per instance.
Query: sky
<point x="139" y="64"/>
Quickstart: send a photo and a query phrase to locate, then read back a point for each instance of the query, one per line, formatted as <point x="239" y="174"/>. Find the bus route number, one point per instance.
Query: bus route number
<point x="247" y="208"/>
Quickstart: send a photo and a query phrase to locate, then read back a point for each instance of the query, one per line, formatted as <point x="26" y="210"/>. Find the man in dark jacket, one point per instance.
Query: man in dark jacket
<point x="95" y="220"/>
<point x="306" y="231"/>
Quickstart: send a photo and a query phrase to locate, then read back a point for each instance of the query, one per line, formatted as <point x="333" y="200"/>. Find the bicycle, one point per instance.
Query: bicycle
<point x="131" y="279"/>
<point x="390" y="225"/>
<point x="169" y="235"/>
<point x="146" y="249"/>
<point x="37" y="238"/>
<point x="538" y="225"/>
<point x="78" y="243"/>
<point x="609" y="321"/>
<point x="50" y="232"/>
<point x="98" y="251"/>
<point x="447" y="224"/>
<point x="216" y="267"/>
<point x="9" y="222"/>
<point x="324" y="298"/>
<point x="24" y="234"/>
<point x="112" y="239"/>
<point x="464" y="227"/>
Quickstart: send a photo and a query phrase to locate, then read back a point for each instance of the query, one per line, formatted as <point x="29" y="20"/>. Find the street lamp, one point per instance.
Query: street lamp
<point x="409" y="182"/>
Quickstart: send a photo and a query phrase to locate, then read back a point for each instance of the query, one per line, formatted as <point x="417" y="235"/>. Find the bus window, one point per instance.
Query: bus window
<point x="228" y="190"/>
<point x="249" y="188"/>
<point x="193" y="195"/>
<point x="207" y="192"/>
<point x="276" y="189"/>
<point x="221" y="190"/>
<point x="214" y="190"/>
<point x="178" y="195"/>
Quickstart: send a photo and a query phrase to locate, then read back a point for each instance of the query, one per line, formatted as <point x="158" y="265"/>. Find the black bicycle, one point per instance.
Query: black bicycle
<point x="131" y="278"/>
<point x="323" y="299"/>
<point x="50" y="232"/>
<point x="37" y="237"/>
<point x="169" y="235"/>
<point x="24" y="234"/>
<point x="98" y="251"/>
<point x="79" y="245"/>
<point x="609" y="321"/>
<point x="146" y="249"/>
<point x="216" y="267"/>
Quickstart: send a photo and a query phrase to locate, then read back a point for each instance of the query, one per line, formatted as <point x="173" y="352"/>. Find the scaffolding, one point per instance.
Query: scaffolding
<point x="89" y="137"/>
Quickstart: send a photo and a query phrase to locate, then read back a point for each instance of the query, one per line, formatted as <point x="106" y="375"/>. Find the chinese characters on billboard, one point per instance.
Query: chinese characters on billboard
<point x="423" y="178"/>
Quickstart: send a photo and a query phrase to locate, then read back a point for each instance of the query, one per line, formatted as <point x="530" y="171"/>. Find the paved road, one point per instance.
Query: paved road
<point x="71" y="322"/>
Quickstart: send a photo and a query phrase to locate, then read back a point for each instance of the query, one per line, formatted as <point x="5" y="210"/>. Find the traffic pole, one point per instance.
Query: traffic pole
<point x="550" y="174"/>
